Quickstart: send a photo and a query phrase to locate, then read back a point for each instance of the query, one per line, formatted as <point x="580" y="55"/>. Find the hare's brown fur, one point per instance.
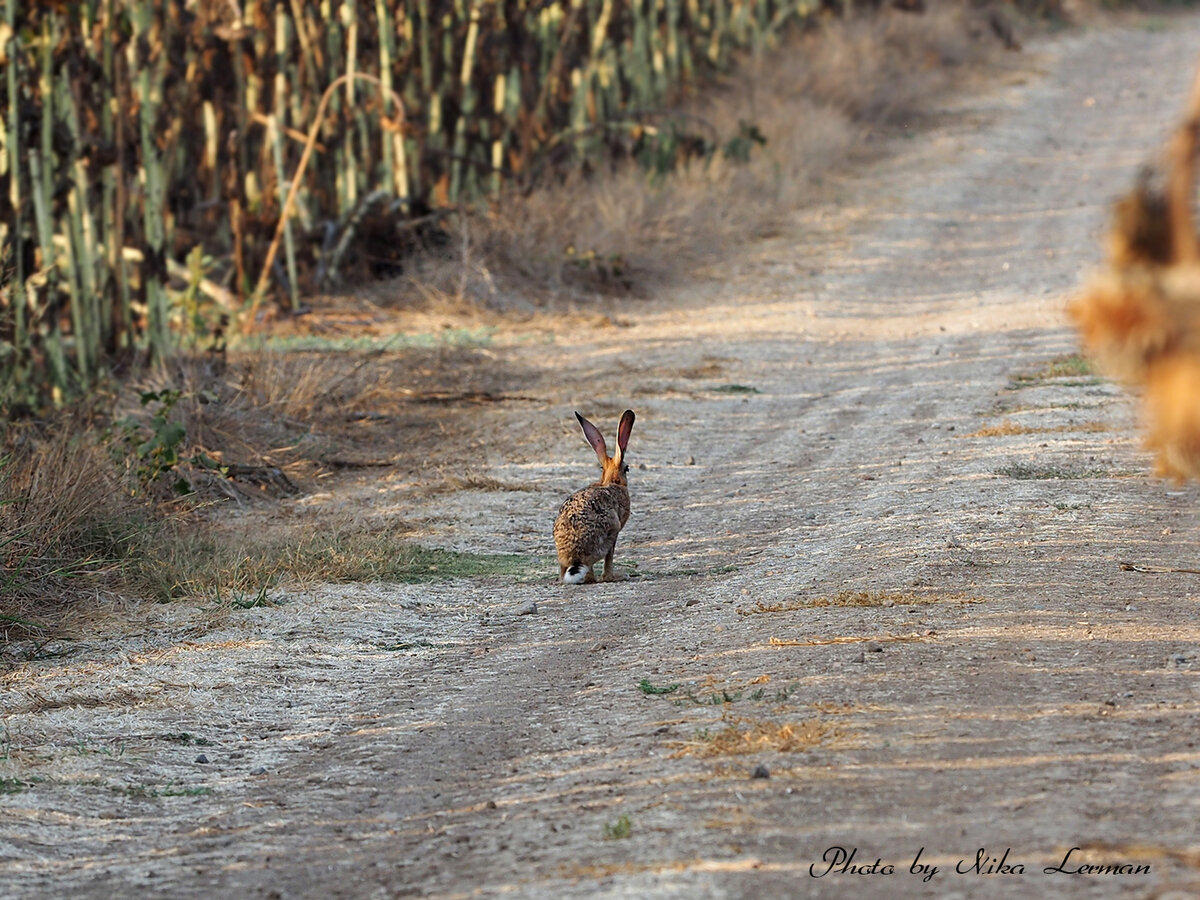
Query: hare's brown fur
<point x="589" y="521"/>
<point x="587" y="527"/>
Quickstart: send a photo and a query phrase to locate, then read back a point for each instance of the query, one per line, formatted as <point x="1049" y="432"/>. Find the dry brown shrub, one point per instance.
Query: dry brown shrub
<point x="884" y="68"/>
<point x="305" y="412"/>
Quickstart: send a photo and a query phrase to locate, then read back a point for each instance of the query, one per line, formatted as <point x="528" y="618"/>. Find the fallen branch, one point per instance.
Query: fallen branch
<point x="298" y="176"/>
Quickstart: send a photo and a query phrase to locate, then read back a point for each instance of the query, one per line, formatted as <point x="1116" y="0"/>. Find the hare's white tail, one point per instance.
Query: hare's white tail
<point x="575" y="574"/>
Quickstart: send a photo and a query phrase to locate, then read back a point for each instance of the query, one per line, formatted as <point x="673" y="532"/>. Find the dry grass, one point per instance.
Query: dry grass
<point x="80" y="516"/>
<point x="848" y="639"/>
<point x="118" y="698"/>
<point x="309" y="413"/>
<point x="742" y="736"/>
<point x="1007" y="428"/>
<point x="816" y="100"/>
<point x="856" y="598"/>
<point x="474" y="481"/>
<point x="65" y="538"/>
<point x="1004" y="429"/>
<point x="65" y="520"/>
<point x="215" y="564"/>
<point x="829" y="708"/>
<point x="592" y="872"/>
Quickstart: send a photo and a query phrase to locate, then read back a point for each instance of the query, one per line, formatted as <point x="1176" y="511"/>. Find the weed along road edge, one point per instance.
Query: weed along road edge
<point x="873" y="603"/>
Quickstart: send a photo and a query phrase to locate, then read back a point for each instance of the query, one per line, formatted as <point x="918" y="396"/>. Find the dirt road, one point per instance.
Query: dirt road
<point x="876" y="542"/>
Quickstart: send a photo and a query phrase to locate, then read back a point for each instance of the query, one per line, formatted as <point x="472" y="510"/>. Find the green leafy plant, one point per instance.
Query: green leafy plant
<point x="154" y="446"/>
<point x="739" y="147"/>
<point x="736" y="389"/>
<point x="618" y="830"/>
<point x="173" y="791"/>
<point x="242" y="601"/>
<point x="197" y="316"/>
<point x="660" y="151"/>
<point x="647" y="688"/>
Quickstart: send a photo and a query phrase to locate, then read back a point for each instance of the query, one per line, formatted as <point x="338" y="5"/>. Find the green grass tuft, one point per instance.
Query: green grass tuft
<point x="618" y="830"/>
<point x="647" y="688"/>
<point x="13" y="785"/>
<point x="205" y="566"/>
<point x="150" y="792"/>
<point x="1075" y="367"/>
<point x="186" y="739"/>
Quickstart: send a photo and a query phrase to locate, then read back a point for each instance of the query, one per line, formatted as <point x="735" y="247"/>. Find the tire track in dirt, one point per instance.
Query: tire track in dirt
<point x="879" y="334"/>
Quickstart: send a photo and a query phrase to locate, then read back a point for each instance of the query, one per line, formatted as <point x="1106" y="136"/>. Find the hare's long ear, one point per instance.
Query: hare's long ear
<point x="594" y="437"/>
<point x="623" y="431"/>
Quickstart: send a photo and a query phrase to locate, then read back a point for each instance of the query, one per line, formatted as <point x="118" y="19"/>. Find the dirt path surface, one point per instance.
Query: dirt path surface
<point x="876" y="541"/>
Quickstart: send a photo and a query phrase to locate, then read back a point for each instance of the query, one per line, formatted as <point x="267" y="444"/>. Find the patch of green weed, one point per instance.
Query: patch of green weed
<point x="722" y="697"/>
<point x="647" y="688"/>
<point x="204" y="566"/>
<point x="241" y="601"/>
<point x="150" y="792"/>
<point x="82" y="749"/>
<point x="13" y="785"/>
<point x="1074" y="366"/>
<point x="618" y="830"/>
<point x="186" y="739"/>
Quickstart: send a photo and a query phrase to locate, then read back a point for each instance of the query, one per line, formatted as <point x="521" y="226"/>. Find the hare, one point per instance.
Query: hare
<point x="590" y="519"/>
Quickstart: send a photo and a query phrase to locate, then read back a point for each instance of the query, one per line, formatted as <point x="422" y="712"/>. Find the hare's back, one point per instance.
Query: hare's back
<point x="592" y="515"/>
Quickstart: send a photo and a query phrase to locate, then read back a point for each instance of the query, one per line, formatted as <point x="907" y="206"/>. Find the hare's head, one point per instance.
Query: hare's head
<point x="614" y="467"/>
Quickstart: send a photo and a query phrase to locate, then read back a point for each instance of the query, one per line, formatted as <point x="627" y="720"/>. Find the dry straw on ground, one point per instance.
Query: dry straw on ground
<point x="1008" y="428"/>
<point x="1140" y="316"/>
<point x="742" y="736"/>
<point x="64" y="521"/>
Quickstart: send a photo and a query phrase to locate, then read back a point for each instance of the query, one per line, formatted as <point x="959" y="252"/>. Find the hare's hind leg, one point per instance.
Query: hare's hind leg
<point x="591" y="576"/>
<point x="609" y="573"/>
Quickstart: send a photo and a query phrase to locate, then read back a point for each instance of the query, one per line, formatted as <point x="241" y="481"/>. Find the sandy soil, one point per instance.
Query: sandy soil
<point x="810" y="423"/>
